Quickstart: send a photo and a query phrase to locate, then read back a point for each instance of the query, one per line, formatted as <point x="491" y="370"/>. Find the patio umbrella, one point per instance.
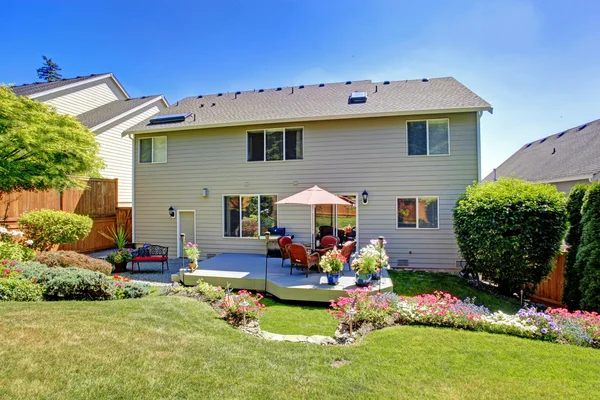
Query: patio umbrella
<point x="313" y="196"/>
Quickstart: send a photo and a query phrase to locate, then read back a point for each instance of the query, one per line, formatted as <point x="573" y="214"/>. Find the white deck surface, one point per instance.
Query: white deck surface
<point x="247" y="271"/>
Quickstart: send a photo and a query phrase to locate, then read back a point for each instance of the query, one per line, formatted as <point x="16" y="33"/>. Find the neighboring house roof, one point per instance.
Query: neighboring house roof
<point x="114" y="109"/>
<point x="37" y="89"/>
<point x="321" y="102"/>
<point x="570" y="155"/>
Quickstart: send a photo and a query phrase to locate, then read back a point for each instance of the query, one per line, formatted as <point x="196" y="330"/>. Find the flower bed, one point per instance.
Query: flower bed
<point x="444" y="310"/>
<point x="233" y="307"/>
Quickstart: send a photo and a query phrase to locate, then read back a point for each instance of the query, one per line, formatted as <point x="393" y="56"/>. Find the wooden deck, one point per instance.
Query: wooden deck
<point x="247" y="271"/>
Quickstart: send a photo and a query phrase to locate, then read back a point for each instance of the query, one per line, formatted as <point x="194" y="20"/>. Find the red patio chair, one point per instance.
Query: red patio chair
<point x="300" y="258"/>
<point x="347" y="251"/>
<point x="283" y="242"/>
<point x="328" y="242"/>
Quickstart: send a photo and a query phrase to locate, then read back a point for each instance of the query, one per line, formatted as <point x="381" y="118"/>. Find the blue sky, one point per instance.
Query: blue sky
<point x="536" y="61"/>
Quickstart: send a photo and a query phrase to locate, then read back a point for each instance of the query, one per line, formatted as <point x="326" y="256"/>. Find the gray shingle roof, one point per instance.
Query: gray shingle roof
<point x="572" y="153"/>
<point x="329" y="101"/>
<point x="32" y="88"/>
<point x="110" y="110"/>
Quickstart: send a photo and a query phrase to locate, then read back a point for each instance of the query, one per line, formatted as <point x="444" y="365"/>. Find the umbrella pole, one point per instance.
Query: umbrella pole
<point x="312" y="226"/>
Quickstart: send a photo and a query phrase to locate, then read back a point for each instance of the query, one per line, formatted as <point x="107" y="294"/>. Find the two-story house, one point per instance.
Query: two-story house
<point x="213" y="166"/>
<point x="101" y="103"/>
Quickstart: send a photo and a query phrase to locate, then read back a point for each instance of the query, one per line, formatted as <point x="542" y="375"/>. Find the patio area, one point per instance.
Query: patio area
<point x="247" y="271"/>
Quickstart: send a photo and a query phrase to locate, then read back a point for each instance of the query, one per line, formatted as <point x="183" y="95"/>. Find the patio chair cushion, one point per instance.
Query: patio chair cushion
<point x="150" y="258"/>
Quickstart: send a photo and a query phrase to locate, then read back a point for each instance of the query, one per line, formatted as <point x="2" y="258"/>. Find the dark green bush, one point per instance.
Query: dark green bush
<point x="571" y="291"/>
<point x="510" y="231"/>
<point x="588" y="255"/>
<point x="49" y="227"/>
<point x="68" y="259"/>
<point x="70" y="283"/>
<point x="132" y="290"/>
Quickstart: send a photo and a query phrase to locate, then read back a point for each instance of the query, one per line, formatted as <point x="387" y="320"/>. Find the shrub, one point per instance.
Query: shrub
<point x="571" y="291"/>
<point x="126" y="289"/>
<point x="588" y="255"/>
<point x="510" y="231"/>
<point x="234" y="309"/>
<point x="49" y="227"/>
<point x="15" y="287"/>
<point x="67" y="259"/>
<point x="70" y="283"/>
<point x="15" y="252"/>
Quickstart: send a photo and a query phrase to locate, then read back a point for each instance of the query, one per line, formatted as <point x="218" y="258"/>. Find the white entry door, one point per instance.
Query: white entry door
<point x="186" y="224"/>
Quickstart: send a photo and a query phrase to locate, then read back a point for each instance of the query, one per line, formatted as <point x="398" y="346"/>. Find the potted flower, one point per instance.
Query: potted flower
<point x="364" y="266"/>
<point x="332" y="263"/>
<point x="192" y="253"/>
<point x="119" y="259"/>
<point x="380" y="254"/>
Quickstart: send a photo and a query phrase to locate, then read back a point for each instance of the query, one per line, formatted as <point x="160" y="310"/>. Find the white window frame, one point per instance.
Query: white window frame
<point x="427" y="137"/>
<point x="417" y="209"/>
<point x="265" y="144"/>
<point x="153" y="162"/>
<point x="240" y="196"/>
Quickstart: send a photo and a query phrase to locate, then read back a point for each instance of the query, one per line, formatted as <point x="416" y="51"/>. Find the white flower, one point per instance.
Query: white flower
<point x="3" y="229"/>
<point x="29" y="242"/>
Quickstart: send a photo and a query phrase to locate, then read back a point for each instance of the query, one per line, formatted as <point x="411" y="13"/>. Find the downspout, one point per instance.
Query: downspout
<point x="132" y="138"/>
<point x="479" y="113"/>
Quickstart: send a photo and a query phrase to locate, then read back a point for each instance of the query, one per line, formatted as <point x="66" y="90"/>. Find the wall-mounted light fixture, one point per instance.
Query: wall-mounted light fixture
<point x="205" y="192"/>
<point x="171" y="212"/>
<point x="365" y="197"/>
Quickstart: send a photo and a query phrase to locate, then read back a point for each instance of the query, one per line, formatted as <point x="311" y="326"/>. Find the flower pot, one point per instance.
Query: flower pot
<point x="363" y="279"/>
<point x="193" y="266"/>
<point x="332" y="279"/>
<point x="121" y="266"/>
<point x="376" y="275"/>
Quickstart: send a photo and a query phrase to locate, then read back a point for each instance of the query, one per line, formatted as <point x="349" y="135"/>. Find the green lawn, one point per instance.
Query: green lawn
<point x="175" y="347"/>
<point x="297" y="319"/>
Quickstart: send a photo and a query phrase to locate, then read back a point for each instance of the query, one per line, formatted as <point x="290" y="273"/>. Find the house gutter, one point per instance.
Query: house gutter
<point x="305" y="119"/>
<point x="478" y="116"/>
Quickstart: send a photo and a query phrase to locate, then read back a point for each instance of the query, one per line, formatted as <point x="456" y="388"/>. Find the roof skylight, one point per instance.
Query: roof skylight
<point x="166" y="119"/>
<point x="358" y="97"/>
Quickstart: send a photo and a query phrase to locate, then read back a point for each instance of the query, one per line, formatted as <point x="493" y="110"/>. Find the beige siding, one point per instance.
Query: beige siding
<point x="116" y="150"/>
<point x="345" y="156"/>
<point x="568" y="185"/>
<point x="82" y="98"/>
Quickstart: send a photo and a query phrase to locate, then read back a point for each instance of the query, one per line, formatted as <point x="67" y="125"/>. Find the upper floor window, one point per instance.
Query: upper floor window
<point x="429" y="137"/>
<point x="275" y="144"/>
<point x="153" y="150"/>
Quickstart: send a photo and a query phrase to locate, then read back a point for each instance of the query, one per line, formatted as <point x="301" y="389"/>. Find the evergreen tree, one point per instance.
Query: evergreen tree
<point x="571" y="293"/>
<point x="588" y="255"/>
<point x="49" y="70"/>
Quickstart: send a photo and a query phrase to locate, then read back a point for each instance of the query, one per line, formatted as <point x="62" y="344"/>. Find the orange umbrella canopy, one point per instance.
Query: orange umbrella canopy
<point x="312" y="196"/>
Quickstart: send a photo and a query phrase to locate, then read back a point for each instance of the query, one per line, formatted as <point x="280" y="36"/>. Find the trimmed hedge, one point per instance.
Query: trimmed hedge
<point x="50" y="227"/>
<point x="571" y="291"/>
<point x="67" y="259"/>
<point x="510" y="231"/>
<point x="588" y="255"/>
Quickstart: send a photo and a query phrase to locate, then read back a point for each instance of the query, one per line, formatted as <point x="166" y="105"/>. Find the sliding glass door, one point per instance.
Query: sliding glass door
<point x="337" y="220"/>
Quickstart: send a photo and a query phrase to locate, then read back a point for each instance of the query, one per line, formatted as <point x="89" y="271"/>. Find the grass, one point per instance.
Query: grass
<point x="295" y="319"/>
<point x="290" y="319"/>
<point x="174" y="347"/>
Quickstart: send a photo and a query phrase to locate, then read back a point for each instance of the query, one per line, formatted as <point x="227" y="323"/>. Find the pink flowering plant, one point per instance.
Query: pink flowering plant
<point x="191" y="252"/>
<point x="444" y="310"/>
<point x="233" y="304"/>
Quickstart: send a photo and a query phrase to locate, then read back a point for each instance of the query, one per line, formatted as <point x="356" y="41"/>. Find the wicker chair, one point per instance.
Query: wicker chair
<point x="283" y="242"/>
<point x="300" y="258"/>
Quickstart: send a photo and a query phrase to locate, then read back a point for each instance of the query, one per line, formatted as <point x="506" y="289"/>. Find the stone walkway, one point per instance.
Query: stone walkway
<point x="150" y="271"/>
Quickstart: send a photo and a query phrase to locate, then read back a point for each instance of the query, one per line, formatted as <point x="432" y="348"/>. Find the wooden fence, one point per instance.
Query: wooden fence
<point x="98" y="201"/>
<point x="550" y="290"/>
